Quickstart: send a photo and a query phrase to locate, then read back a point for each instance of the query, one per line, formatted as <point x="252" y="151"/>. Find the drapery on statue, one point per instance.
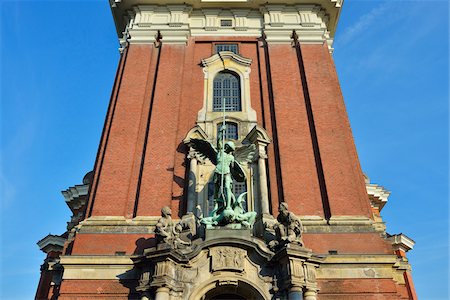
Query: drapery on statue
<point x="288" y="228"/>
<point x="228" y="159"/>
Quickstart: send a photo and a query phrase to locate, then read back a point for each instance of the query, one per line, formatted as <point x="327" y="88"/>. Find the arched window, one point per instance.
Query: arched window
<point x="227" y="87"/>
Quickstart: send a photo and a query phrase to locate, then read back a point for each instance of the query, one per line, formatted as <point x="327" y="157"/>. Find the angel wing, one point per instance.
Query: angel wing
<point x="245" y="154"/>
<point x="242" y="155"/>
<point x="205" y="149"/>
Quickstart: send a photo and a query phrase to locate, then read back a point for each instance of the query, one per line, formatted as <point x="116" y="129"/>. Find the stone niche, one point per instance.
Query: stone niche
<point x="234" y="265"/>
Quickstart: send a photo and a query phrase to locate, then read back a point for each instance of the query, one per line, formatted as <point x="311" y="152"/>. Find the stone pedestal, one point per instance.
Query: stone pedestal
<point x="223" y="232"/>
<point x="296" y="271"/>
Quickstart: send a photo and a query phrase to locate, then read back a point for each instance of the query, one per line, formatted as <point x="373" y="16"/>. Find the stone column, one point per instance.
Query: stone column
<point x="310" y="294"/>
<point x="162" y="293"/>
<point x="263" y="191"/>
<point x="192" y="196"/>
<point x="295" y="293"/>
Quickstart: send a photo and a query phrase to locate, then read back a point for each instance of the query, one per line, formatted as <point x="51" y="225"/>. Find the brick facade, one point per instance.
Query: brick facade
<point x="142" y="163"/>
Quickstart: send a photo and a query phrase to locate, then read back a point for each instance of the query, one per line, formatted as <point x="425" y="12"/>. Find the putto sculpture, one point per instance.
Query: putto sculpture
<point x="228" y="159"/>
<point x="288" y="228"/>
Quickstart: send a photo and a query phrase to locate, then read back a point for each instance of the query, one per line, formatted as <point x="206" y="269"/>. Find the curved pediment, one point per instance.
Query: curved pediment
<point x="215" y="238"/>
<point x="196" y="132"/>
<point x="224" y="58"/>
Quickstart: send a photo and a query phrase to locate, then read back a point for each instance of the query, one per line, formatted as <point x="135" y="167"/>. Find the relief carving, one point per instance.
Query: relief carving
<point x="228" y="258"/>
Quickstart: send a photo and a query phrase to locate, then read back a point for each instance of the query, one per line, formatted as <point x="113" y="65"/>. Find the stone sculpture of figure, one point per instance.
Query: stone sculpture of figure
<point x="288" y="228"/>
<point x="177" y="241"/>
<point x="228" y="159"/>
<point x="164" y="226"/>
<point x="168" y="232"/>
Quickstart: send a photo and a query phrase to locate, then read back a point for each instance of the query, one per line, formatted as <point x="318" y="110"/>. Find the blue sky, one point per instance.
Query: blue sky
<point x="58" y="60"/>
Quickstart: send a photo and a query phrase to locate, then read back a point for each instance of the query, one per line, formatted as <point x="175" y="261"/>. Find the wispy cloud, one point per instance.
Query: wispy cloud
<point x="363" y="23"/>
<point x="7" y="189"/>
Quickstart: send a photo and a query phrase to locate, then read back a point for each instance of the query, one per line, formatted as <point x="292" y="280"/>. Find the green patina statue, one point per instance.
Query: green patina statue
<point x="228" y="210"/>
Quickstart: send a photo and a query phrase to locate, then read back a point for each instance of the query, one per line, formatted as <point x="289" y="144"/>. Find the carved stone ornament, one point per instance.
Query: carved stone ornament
<point x="288" y="228"/>
<point x="227" y="258"/>
<point x="167" y="232"/>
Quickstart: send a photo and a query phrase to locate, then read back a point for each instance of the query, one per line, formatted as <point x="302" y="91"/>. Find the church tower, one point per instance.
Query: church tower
<point x="226" y="167"/>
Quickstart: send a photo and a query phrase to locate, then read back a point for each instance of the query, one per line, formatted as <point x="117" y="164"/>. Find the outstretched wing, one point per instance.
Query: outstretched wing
<point x="205" y="149"/>
<point x="242" y="155"/>
<point x="245" y="154"/>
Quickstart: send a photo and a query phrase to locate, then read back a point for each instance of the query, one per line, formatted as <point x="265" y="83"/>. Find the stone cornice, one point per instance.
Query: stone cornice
<point x="121" y="9"/>
<point x="76" y="196"/>
<point x="314" y="21"/>
<point x="378" y="195"/>
<point x="401" y="242"/>
<point x="51" y="242"/>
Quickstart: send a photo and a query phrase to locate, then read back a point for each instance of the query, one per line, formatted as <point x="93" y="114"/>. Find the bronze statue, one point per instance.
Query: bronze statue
<point x="228" y="159"/>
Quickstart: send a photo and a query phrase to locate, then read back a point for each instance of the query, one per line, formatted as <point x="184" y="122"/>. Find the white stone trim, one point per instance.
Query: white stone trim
<point x="350" y="220"/>
<point x="378" y="195"/>
<point x="363" y="266"/>
<point x="208" y="119"/>
<point x="401" y="242"/>
<point x="309" y="21"/>
<point x="177" y="23"/>
<point x="119" y="221"/>
<point x="95" y="266"/>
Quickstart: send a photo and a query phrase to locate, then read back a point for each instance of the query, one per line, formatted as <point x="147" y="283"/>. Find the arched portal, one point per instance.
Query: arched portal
<point x="241" y="291"/>
<point x="228" y="290"/>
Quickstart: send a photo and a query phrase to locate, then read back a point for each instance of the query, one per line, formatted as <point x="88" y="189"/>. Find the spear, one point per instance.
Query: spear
<point x="223" y="150"/>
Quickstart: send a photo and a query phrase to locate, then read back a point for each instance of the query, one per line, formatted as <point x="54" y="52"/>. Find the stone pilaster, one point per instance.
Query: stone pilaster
<point x="296" y="271"/>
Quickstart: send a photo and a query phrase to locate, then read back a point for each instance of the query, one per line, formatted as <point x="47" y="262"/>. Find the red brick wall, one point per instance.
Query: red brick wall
<point x="347" y="243"/>
<point x="109" y="243"/>
<point x="359" y="289"/>
<point x="343" y="176"/>
<point x="299" y="177"/>
<point x="115" y="171"/>
<point x="157" y="118"/>
<point x="93" y="289"/>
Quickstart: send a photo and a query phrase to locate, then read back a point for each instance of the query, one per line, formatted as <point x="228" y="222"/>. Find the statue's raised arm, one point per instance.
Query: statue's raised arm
<point x="220" y="134"/>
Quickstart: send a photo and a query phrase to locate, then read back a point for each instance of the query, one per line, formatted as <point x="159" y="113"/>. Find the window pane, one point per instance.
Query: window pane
<point x="226" y="87"/>
<point x="227" y="47"/>
<point x="226" y="23"/>
<point x="239" y="188"/>
<point x="232" y="131"/>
